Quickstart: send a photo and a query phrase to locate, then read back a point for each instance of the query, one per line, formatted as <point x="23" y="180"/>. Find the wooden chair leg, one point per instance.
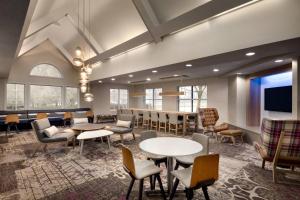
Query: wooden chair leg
<point x="130" y="188"/>
<point x="141" y="189"/>
<point x="263" y="164"/>
<point x="204" y="189"/>
<point x="174" y="189"/>
<point x="161" y="186"/>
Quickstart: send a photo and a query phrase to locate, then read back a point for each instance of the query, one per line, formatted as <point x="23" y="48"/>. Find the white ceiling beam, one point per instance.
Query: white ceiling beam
<point x="91" y="42"/>
<point x="201" y="13"/>
<point x="130" y="44"/>
<point x="61" y="49"/>
<point x="30" y="11"/>
<point x="149" y="18"/>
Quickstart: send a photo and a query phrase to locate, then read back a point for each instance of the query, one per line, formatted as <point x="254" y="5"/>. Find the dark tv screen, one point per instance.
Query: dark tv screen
<point x="278" y="99"/>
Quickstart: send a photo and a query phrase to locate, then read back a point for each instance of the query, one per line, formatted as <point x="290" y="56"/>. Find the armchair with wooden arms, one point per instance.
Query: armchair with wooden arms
<point x="280" y="144"/>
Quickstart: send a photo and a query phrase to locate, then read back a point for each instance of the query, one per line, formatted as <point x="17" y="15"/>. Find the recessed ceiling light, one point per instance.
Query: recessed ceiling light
<point x="279" y="61"/>
<point x="175" y="75"/>
<point x="216" y="70"/>
<point x="188" y="65"/>
<point x="239" y="73"/>
<point x="100" y="81"/>
<point x="113" y="79"/>
<point x="130" y="75"/>
<point x="154" y="71"/>
<point x="250" y="54"/>
<point x="148" y="79"/>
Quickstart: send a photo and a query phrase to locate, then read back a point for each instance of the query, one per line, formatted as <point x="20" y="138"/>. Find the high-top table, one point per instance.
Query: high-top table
<point x="170" y="147"/>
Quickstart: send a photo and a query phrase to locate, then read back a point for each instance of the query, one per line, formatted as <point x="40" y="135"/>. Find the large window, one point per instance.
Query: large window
<point x="71" y="97"/>
<point x="45" y="70"/>
<point x="15" y="97"/>
<point x="153" y="99"/>
<point x="118" y="99"/>
<point x="45" y="97"/>
<point x="194" y="97"/>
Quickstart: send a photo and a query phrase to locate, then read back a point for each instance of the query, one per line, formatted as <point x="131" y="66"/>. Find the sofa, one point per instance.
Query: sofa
<point x="55" y="116"/>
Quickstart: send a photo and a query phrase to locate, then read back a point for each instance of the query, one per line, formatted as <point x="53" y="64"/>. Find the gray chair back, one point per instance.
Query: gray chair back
<point x="162" y="117"/>
<point x="146" y="115"/>
<point x="203" y="140"/>
<point x="125" y="117"/>
<point x="148" y="134"/>
<point x="154" y="116"/>
<point x="173" y="118"/>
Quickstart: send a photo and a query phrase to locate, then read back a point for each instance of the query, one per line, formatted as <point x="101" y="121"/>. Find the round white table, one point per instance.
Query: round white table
<point x="94" y="134"/>
<point x="170" y="147"/>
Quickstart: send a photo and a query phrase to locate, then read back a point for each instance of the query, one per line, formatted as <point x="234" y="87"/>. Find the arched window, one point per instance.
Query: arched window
<point x="45" y="70"/>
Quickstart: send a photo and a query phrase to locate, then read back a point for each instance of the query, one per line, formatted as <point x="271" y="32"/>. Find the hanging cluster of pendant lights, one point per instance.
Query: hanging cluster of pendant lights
<point x="85" y="69"/>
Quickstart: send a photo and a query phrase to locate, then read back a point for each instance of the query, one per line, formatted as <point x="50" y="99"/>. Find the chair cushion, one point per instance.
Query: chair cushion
<point x="231" y="132"/>
<point x="184" y="176"/>
<point x="121" y="123"/>
<point x="145" y="168"/>
<point x="51" y="131"/>
<point x="120" y="130"/>
<point x="189" y="160"/>
<point x="67" y="135"/>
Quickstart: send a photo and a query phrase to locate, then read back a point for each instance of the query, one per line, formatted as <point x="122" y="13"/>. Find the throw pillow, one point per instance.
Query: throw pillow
<point x="52" y="130"/>
<point x="125" y="124"/>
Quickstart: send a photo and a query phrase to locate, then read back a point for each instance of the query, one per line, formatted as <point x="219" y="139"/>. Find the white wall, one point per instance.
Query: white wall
<point x="277" y="80"/>
<point x="2" y="93"/>
<point x="217" y="94"/>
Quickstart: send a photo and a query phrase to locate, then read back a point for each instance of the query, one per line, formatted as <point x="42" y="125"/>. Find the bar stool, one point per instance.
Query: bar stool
<point x="163" y="121"/>
<point x="12" y="120"/>
<point x="154" y="120"/>
<point x="146" y="119"/>
<point x="138" y="118"/>
<point x="174" y="123"/>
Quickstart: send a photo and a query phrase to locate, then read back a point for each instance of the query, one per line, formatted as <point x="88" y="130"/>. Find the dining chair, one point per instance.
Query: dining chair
<point x="204" y="173"/>
<point x="139" y="170"/>
<point x="156" y="158"/>
<point x="68" y="118"/>
<point x="41" y="116"/>
<point x="163" y="121"/>
<point x="154" y="120"/>
<point x="174" y="123"/>
<point x="187" y="161"/>
<point x="146" y="119"/>
<point x="138" y="118"/>
<point x="12" y="120"/>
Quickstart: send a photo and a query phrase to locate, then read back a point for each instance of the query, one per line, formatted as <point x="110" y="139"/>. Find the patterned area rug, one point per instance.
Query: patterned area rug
<point x="62" y="173"/>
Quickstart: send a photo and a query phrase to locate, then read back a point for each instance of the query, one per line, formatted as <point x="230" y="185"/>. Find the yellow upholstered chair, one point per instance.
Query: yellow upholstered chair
<point x="139" y="170"/>
<point x="90" y="115"/>
<point x="67" y="118"/>
<point x="204" y="173"/>
<point x="41" y="116"/>
<point x="12" y="120"/>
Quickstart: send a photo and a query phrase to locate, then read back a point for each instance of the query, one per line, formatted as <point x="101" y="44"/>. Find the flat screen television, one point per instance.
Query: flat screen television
<point x="278" y="99"/>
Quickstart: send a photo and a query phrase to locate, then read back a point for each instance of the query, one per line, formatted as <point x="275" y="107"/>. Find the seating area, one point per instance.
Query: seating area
<point x="149" y="99"/>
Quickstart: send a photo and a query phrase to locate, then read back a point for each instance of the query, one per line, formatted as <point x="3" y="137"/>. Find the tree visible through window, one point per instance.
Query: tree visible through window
<point x="45" y="70"/>
<point x="118" y="98"/>
<point x="15" y="97"/>
<point x="45" y="97"/>
<point x="153" y="99"/>
<point x="71" y="97"/>
<point x="194" y="97"/>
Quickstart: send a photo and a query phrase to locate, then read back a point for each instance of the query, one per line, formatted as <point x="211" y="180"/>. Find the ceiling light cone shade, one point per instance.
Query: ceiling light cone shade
<point x="89" y="69"/>
<point x="83" y="75"/>
<point x="84" y="81"/>
<point x="78" y="62"/>
<point x="83" y="88"/>
<point x="78" y="51"/>
<point x="89" y="97"/>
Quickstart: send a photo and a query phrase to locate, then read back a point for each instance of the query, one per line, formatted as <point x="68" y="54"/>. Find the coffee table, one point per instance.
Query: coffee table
<point x="87" y="127"/>
<point x="93" y="134"/>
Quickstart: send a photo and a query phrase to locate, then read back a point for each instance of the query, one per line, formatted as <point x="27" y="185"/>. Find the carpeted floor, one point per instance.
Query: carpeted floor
<point x="62" y="173"/>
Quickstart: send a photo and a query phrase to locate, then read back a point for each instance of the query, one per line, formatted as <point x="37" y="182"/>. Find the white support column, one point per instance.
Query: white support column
<point x="296" y="88"/>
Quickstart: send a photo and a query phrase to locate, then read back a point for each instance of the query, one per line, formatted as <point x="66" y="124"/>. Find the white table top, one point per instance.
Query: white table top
<point x="170" y="146"/>
<point x="93" y="134"/>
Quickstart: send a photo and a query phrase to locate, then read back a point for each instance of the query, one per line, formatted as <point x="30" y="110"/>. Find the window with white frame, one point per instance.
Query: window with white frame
<point x="45" y="97"/>
<point x="153" y="100"/>
<point x="194" y="97"/>
<point x="71" y="97"/>
<point x="46" y="70"/>
<point x="118" y="99"/>
<point x="15" y="97"/>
